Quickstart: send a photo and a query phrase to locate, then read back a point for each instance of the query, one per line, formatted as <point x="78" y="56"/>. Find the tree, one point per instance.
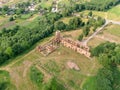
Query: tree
<point x="9" y="51"/>
<point x="86" y="30"/>
<point x="59" y="25"/>
<point x="80" y="37"/>
<point x="90" y="14"/>
<point x="75" y="22"/>
<point x="104" y="79"/>
<point x="5" y="9"/>
<point x="11" y="19"/>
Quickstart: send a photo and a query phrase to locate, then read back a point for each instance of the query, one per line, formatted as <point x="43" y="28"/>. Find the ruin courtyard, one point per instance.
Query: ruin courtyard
<point x="58" y="40"/>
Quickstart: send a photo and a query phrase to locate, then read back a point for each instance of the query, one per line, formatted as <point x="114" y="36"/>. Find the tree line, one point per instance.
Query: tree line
<point x="98" y="5"/>
<point x="108" y="76"/>
<point x="18" y="39"/>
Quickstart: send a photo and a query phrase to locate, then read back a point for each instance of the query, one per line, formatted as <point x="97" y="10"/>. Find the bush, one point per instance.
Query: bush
<point x="11" y="19"/>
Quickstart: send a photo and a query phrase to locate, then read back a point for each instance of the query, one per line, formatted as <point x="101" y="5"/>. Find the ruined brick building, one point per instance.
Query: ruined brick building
<point x="67" y="42"/>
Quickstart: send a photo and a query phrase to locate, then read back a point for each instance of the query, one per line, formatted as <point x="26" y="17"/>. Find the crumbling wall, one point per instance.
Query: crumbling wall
<point x="67" y="42"/>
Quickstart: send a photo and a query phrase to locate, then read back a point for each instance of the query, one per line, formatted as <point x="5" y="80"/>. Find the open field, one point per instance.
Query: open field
<point x="112" y="14"/>
<point x="46" y="4"/>
<point x="113" y="29"/>
<point x="54" y="64"/>
<point x="11" y="2"/>
<point x="72" y="34"/>
<point x="110" y="33"/>
<point x="24" y="20"/>
<point x="66" y="19"/>
<point x="95" y="42"/>
<point x="67" y="2"/>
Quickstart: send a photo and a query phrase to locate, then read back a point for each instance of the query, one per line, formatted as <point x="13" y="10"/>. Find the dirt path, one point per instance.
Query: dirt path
<point x="16" y="78"/>
<point x="99" y="29"/>
<point x="13" y="62"/>
<point x="27" y="65"/>
<point x="95" y="33"/>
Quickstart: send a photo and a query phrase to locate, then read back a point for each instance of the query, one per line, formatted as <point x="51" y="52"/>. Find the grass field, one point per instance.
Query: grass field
<point x="66" y="19"/>
<point x="112" y="14"/>
<point x="90" y="84"/>
<point x="46" y="4"/>
<point x="72" y="34"/>
<point x="113" y="29"/>
<point x="110" y="33"/>
<point x="115" y="10"/>
<point x="95" y="42"/>
<point x="11" y="2"/>
<point x="54" y="64"/>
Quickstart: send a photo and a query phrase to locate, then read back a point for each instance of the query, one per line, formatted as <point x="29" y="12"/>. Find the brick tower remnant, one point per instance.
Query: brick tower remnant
<point x="57" y="37"/>
<point x="67" y="42"/>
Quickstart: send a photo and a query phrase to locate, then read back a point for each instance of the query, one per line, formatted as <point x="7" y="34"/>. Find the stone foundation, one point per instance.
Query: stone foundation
<point x="67" y="42"/>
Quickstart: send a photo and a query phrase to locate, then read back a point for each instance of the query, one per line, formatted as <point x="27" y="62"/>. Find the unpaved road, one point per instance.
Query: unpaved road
<point x="99" y="29"/>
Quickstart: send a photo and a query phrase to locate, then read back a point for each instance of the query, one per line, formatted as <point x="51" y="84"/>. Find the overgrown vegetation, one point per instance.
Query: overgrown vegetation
<point x="92" y="24"/>
<point x="52" y="67"/>
<point x="73" y="24"/>
<point x="36" y="76"/>
<point x="108" y="56"/>
<point x="5" y="83"/>
<point x="53" y="84"/>
<point x="16" y="40"/>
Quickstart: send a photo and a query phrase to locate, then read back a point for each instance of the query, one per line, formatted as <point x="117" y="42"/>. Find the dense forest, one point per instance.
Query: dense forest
<point x="16" y="40"/>
<point x="108" y="76"/>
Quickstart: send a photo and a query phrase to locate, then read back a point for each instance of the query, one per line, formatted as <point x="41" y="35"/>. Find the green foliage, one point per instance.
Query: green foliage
<point x="80" y="37"/>
<point x="53" y="84"/>
<point x="75" y="22"/>
<point x="86" y="30"/>
<point x="5" y="83"/>
<point x="100" y="5"/>
<point x="36" y="76"/>
<point x="116" y="76"/>
<point x="59" y="25"/>
<point x="108" y="53"/>
<point x="90" y="84"/>
<point x="18" y="39"/>
<point x="9" y="52"/>
<point x="11" y="19"/>
<point x="90" y="13"/>
<point x="103" y="81"/>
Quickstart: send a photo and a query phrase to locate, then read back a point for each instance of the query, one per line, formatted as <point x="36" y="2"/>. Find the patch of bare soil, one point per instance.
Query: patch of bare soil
<point x="72" y="65"/>
<point x="26" y="66"/>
